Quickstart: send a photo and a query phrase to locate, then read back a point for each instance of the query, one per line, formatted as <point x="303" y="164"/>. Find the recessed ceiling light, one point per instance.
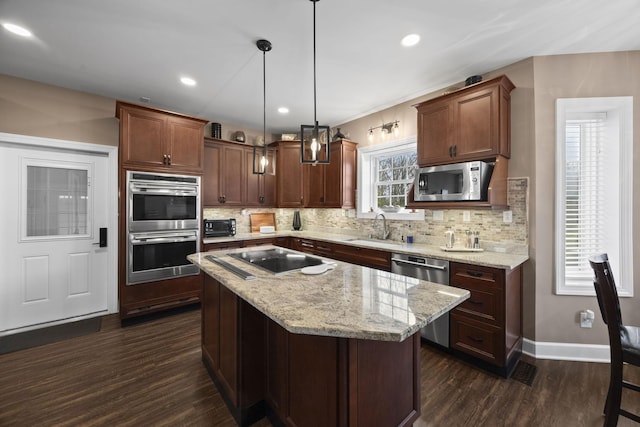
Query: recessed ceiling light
<point x="17" y="29"/>
<point x="410" y="40"/>
<point x="188" y="81"/>
<point x="283" y="110"/>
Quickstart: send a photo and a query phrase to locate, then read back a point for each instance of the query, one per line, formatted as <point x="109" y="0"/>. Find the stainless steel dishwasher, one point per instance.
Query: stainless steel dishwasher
<point x="432" y="270"/>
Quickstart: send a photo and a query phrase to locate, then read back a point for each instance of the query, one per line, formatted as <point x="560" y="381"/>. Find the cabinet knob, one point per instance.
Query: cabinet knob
<point x="164" y="159"/>
<point x="169" y="159"/>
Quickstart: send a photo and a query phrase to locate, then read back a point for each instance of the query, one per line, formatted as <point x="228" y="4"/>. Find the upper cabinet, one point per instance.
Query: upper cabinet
<point x="289" y="175"/>
<point x="157" y="139"/>
<point x="333" y="185"/>
<point x="229" y="179"/>
<point x="469" y="124"/>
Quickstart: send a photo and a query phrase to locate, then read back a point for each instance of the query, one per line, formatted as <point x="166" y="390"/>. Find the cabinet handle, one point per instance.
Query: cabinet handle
<point x="474" y="273"/>
<point x="169" y="159"/>
<point x="476" y="302"/>
<point x="164" y="159"/>
<point x="474" y="339"/>
<point x="261" y="199"/>
<point x="455" y="150"/>
<point x="451" y="151"/>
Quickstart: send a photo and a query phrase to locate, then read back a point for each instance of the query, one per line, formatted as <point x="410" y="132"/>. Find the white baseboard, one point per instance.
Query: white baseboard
<point x="566" y="351"/>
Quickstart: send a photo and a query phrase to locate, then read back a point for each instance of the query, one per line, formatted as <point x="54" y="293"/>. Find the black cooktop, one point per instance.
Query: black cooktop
<point x="277" y="260"/>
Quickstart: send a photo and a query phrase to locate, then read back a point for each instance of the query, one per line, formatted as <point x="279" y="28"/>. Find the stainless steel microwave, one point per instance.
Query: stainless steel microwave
<point x="456" y="182"/>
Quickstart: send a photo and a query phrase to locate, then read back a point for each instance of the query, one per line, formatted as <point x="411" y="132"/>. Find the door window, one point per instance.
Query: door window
<point x="56" y="200"/>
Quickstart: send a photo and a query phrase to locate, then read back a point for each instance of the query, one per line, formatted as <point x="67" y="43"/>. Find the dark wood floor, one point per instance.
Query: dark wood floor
<point x="151" y="374"/>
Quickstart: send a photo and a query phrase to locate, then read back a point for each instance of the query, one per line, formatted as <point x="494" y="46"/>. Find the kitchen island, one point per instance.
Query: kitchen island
<point x="337" y="348"/>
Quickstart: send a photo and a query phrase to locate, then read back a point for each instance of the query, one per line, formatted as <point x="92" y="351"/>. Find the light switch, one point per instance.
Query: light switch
<point x="466" y="216"/>
<point x="438" y="215"/>
<point x="507" y="217"/>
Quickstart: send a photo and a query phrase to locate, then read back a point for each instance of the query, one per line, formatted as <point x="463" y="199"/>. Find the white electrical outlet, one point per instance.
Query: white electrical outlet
<point x="438" y="215"/>
<point x="507" y="217"/>
<point x="466" y="216"/>
<point x="586" y="318"/>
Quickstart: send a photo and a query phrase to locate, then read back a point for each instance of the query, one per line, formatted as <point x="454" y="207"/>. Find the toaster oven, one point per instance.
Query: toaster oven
<point x="219" y="227"/>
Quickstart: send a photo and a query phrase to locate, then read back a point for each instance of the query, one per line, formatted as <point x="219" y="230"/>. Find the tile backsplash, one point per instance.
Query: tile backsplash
<point x="495" y="234"/>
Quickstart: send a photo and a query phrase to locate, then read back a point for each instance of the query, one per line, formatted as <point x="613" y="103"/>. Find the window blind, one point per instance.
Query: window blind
<point x="584" y="194"/>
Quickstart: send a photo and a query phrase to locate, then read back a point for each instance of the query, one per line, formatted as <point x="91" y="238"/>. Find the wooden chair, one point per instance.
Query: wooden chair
<point x="624" y="341"/>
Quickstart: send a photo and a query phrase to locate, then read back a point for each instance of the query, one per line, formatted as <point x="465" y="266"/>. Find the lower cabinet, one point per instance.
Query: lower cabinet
<point x="151" y="297"/>
<point x="488" y="326"/>
<point x="304" y="380"/>
<point x="233" y="347"/>
<point x="367" y="257"/>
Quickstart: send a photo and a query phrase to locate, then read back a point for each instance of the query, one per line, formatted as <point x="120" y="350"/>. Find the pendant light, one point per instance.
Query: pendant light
<point x="260" y="159"/>
<point x="314" y="139"/>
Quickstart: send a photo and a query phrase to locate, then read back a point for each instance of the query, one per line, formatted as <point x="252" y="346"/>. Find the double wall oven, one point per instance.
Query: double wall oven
<point x="163" y="225"/>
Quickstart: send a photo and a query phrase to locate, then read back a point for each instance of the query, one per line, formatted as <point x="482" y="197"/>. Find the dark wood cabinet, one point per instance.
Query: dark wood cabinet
<point x="367" y="257"/>
<point x="228" y="178"/>
<point x="233" y="350"/>
<point x="327" y="381"/>
<point x="333" y="185"/>
<point x="153" y="139"/>
<point x="289" y="175"/>
<point x="488" y="326"/>
<point x="472" y="123"/>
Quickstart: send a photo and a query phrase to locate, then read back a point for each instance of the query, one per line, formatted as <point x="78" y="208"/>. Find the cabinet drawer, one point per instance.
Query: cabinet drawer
<point x="477" y="339"/>
<point x="482" y="277"/>
<point x="221" y="246"/>
<point x="363" y="256"/>
<point x="484" y="303"/>
<point x="257" y="242"/>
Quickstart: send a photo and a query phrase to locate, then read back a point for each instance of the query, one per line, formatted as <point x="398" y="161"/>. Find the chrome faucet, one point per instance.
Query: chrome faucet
<point x="385" y="231"/>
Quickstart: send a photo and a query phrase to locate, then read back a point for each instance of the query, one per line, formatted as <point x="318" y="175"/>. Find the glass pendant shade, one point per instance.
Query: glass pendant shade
<point x="264" y="160"/>
<point x="314" y="144"/>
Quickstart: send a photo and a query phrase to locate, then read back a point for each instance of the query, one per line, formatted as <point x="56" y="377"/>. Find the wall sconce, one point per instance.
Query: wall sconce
<point x="386" y="128"/>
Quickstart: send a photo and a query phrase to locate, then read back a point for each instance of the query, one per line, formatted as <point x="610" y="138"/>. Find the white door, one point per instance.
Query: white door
<point x="52" y="267"/>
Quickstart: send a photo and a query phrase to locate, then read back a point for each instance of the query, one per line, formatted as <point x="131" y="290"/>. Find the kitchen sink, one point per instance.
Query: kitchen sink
<point x="375" y="243"/>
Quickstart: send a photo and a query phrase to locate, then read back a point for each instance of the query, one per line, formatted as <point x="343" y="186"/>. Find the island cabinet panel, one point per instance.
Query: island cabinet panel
<point x="377" y="373"/>
<point x="233" y="350"/>
<point x="154" y="139"/>
<point x="328" y="381"/>
<point x="472" y="123"/>
<point x="488" y="325"/>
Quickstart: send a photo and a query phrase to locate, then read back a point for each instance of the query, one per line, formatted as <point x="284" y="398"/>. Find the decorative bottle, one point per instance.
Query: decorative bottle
<point x="297" y="224"/>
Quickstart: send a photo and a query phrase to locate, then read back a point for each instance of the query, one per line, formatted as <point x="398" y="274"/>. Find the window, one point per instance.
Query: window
<point x="386" y="173"/>
<point x="593" y="191"/>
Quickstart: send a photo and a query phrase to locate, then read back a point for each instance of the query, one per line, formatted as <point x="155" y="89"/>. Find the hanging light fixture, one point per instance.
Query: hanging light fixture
<point x="314" y="139"/>
<point x="260" y="159"/>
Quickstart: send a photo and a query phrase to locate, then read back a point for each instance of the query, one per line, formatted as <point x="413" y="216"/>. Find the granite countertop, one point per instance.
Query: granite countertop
<point x="347" y="301"/>
<point x="487" y="258"/>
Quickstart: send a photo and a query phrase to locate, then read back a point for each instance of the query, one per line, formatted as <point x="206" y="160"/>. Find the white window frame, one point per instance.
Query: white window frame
<point x="620" y="110"/>
<point x="367" y="178"/>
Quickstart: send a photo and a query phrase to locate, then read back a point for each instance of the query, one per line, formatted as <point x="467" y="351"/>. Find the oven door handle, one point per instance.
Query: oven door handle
<point x="165" y="191"/>
<point x="165" y="239"/>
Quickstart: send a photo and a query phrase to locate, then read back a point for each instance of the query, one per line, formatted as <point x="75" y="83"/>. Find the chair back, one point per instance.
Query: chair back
<point x="608" y="301"/>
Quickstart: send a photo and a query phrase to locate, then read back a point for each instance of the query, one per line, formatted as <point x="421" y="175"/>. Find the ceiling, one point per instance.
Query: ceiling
<point x="127" y="49"/>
